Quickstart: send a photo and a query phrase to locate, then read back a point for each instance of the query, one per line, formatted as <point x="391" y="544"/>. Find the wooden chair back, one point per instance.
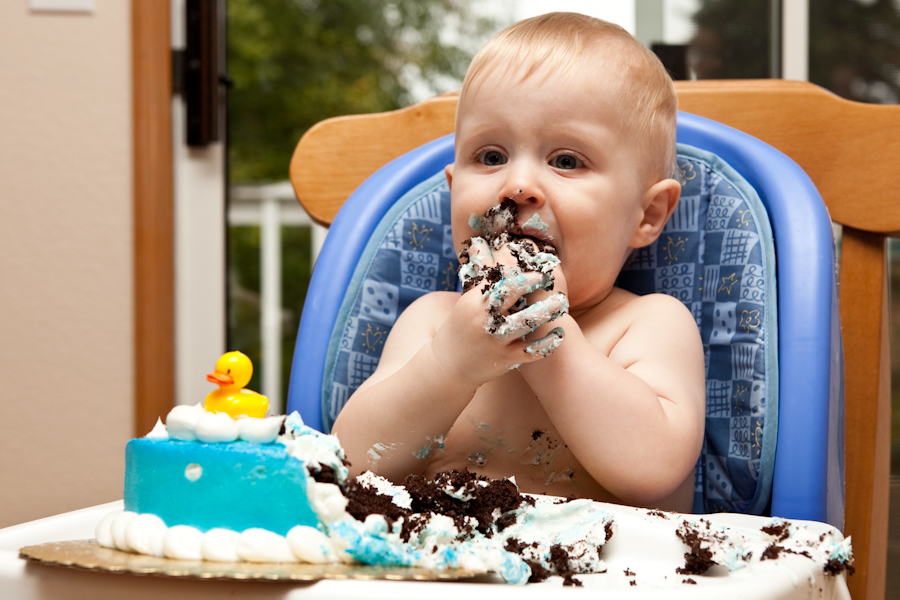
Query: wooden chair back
<point x="849" y="149"/>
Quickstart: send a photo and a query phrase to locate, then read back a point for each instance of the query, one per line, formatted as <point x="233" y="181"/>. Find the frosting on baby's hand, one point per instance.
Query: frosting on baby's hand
<point x="508" y="313"/>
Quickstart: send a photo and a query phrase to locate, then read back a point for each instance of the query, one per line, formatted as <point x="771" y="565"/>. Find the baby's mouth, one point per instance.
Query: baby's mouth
<point x="504" y="218"/>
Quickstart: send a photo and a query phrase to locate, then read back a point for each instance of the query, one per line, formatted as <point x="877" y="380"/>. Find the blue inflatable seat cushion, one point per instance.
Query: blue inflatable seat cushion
<point x="715" y="254"/>
<point x="409" y="254"/>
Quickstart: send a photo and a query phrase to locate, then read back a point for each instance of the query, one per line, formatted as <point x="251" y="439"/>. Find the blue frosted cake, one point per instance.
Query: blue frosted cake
<point x="208" y="486"/>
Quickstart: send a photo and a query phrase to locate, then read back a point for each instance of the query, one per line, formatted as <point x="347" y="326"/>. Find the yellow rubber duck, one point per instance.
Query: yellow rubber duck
<point x="233" y="372"/>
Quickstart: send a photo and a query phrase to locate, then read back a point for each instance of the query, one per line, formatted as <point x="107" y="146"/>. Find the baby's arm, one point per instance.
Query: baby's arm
<point x="633" y="418"/>
<point x="435" y="359"/>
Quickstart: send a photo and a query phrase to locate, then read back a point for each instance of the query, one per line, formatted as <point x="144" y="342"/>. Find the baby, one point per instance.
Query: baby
<point x="541" y="368"/>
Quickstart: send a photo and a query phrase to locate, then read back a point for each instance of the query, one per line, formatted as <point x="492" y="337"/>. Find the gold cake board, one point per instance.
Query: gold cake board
<point x="87" y="554"/>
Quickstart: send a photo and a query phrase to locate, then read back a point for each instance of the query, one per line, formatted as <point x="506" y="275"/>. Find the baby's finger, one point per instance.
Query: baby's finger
<point x="545" y="346"/>
<point x="528" y="319"/>
<point x="474" y="258"/>
<point x="479" y="253"/>
<point x="508" y="290"/>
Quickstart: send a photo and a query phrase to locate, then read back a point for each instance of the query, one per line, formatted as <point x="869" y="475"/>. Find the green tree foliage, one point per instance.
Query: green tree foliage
<point x="854" y="45"/>
<point x="296" y="62"/>
<point x="854" y="48"/>
<point x="731" y="40"/>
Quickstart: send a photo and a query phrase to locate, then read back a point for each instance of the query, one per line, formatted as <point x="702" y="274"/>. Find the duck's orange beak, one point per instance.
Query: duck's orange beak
<point x="220" y="378"/>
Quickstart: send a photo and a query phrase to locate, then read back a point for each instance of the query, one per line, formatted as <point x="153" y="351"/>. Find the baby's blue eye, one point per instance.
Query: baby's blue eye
<point x="565" y="161"/>
<point x="492" y="158"/>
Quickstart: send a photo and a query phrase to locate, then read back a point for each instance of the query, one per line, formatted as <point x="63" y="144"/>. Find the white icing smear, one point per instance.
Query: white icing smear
<point x="547" y="344"/>
<point x="191" y="422"/>
<point x="398" y="494"/>
<point x="528" y="319"/>
<point x="158" y="432"/>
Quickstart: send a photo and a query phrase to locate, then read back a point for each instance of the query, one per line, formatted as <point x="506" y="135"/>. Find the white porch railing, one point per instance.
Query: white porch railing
<point x="270" y="206"/>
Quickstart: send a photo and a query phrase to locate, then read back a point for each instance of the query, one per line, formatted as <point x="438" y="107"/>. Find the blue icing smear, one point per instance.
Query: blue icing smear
<point x="370" y="543"/>
<point x="208" y="485"/>
<point x="535" y="222"/>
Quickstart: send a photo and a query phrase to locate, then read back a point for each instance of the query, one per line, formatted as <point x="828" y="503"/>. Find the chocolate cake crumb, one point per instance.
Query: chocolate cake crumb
<point x="689" y="581"/>
<point x="363" y="501"/>
<point x="430" y="496"/>
<point x="505" y="521"/>
<point x="836" y="567"/>
<point x="536" y="434"/>
<point x="282" y="430"/>
<point x="780" y="531"/>
<point x="698" y="559"/>
<point x="538" y="572"/>
<point x="629" y="573"/>
<point x="771" y="552"/>
<point x="568" y="498"/>
<point x="322" y="474"/>
<point x="559" y="558"/>
<point x="570" y="579"/>
<point x="632" y="582"/>
<point x="658" y="513"/>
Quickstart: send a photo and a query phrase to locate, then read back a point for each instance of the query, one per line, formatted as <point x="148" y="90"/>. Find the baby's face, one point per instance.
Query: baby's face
<point x="557" y="149"/>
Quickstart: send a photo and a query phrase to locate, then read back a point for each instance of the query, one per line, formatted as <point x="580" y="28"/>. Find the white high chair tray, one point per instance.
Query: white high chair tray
<point x="647" y="549"/>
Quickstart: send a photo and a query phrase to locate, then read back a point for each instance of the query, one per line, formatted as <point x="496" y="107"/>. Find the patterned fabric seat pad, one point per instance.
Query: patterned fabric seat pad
<point x="715" y="254"/>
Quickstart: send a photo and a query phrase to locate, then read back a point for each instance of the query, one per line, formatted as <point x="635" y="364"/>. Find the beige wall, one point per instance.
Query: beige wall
<point x="66" y="328"/>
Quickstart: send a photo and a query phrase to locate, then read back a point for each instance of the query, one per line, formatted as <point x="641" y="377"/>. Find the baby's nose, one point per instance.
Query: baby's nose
<point x="522" y="195"/>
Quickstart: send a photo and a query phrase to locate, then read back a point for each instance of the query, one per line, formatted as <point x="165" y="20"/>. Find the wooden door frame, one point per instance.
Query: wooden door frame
<point x="153" y="202"/>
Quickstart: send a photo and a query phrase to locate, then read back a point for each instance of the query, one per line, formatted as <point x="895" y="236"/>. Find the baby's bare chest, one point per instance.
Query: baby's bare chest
<point x="505" y="432"/>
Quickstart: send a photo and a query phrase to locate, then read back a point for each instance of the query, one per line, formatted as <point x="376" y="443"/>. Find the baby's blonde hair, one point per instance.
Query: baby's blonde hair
<point x="558" y="43"/>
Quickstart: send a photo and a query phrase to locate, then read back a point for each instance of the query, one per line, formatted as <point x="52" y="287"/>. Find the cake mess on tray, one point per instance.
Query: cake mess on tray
<point x="212" y="487"/>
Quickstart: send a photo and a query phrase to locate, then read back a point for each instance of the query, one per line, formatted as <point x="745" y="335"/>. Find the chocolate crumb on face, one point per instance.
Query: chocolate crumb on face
<point x="536" y="434"/>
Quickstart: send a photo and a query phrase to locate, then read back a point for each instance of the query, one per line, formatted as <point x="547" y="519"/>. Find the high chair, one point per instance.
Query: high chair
<point x="847" y="149"/>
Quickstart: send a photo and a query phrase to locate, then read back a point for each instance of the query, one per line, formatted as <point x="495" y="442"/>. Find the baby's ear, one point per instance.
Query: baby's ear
<point x="658" y="204"/>
<point x="448" y="171"/>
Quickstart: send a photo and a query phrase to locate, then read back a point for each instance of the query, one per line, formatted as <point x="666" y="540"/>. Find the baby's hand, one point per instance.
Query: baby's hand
<point x="497" y="276"/>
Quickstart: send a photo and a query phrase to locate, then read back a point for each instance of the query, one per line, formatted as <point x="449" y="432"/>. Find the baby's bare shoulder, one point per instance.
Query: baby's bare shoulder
<point x="659" y="324"/>
<point x="659" y="306"/>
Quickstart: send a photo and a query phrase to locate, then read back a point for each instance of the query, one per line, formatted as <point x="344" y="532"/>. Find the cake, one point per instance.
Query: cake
<point x="208" y="486"/>
<point x="212" y="487"/>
